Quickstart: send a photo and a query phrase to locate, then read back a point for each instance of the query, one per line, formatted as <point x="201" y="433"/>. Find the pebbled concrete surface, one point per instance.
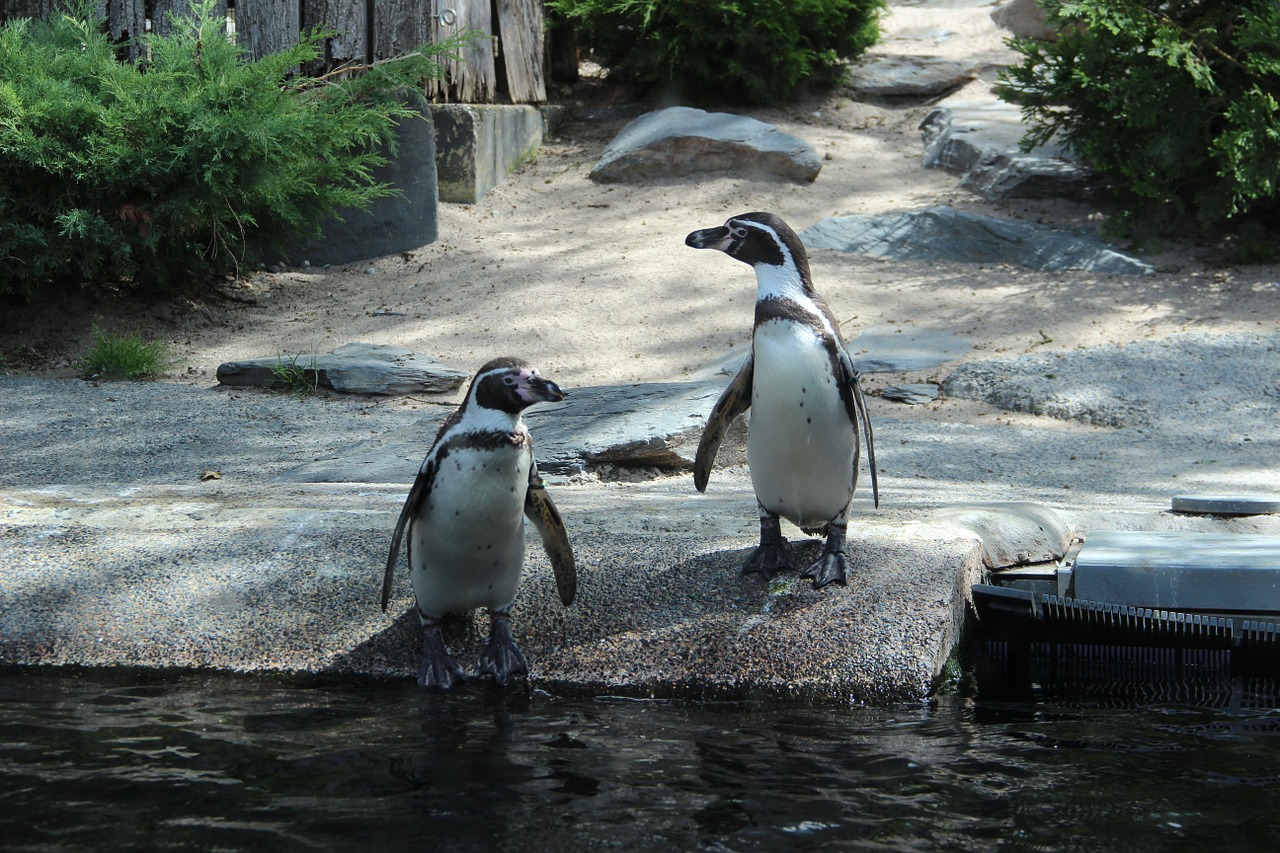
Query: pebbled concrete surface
<point x="114" y="551"/>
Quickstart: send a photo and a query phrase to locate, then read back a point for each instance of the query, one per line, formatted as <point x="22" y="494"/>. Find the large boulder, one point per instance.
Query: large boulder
<point x="682" y="141"/>
<point x="904" y="76"/>
<point x="980" y="141"/>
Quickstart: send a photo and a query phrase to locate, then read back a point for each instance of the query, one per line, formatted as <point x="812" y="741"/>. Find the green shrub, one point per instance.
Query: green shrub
<point x="1176" y="101"/>
<point x="753" y="51"/>
<point x="111" y="172"/>
<point x="115" y="355"/>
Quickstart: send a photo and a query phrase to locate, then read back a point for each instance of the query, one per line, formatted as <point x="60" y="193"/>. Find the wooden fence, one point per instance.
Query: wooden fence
<point x="505" y="67"/>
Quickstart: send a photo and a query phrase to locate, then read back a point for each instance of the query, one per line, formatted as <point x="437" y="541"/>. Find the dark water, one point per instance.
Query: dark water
<point x="141" y="762"/>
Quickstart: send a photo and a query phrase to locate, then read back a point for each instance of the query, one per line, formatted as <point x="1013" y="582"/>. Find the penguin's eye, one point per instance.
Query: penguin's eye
<point x="738" y="233"/>
<point x="508" y="380"/>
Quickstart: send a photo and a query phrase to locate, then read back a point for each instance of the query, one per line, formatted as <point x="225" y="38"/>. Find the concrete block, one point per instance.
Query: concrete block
<point x="1180" y="571"/>
<point x="388" y="225"/>
<point x="477" y="145"/>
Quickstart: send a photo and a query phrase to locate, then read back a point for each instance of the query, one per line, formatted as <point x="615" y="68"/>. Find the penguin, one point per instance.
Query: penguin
<point x="464" y="521"/>
<point x="805" y="397"/>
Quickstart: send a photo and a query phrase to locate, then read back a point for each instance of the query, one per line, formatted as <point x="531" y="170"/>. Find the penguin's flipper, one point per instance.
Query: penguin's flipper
<point x="735" y="400"/>
<point x="417" y="494"/>
<point x="860" y="417"/>
<point x="541" y="510"/>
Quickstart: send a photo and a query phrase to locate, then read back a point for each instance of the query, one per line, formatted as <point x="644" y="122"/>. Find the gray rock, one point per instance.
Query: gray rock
<point x="1012" y="533"/>
<point x="651" y="425"/>
<point x="1049" y="391"/>
<point x="909" y="76"/>
<point x="980" y="142"/>
<point x="915" y="394"/>
<point x="1024" y="19"/>
<point x="654" y="426"/>
<point x="682" y="141"/>
<point x="354" y="368"/>
<point x="1183" y="386"/>
<point x="898" y="349"/>
<point x="946" y="233"/>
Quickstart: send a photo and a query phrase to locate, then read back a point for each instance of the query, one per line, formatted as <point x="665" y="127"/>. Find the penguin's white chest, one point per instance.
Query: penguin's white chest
<point x="800" y="444"/>
<point x="466" y="545"/>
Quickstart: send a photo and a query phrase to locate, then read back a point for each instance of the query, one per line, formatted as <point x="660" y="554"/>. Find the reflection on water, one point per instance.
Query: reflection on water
<point x="138" y="761"/>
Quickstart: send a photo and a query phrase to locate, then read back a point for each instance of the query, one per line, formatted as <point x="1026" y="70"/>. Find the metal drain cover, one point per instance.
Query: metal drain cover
<point x="1227" y="504"/>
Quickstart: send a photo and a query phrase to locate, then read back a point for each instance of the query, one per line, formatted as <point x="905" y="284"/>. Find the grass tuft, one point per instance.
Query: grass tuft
<point x="115" y="355"/>
<point x="298" y="379"/>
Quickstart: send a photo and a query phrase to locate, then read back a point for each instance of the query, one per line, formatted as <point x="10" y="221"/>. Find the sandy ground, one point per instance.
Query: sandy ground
<point x="594" y="284"/>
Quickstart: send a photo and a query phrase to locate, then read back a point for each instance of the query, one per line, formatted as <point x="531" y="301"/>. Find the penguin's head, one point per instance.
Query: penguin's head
<point x="754" y="238"/>
<point x="511" y="385"/>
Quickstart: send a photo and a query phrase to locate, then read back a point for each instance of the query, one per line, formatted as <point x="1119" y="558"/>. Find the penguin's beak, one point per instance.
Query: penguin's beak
<point x="539" y="390"/>
<point x="709" y="238"/>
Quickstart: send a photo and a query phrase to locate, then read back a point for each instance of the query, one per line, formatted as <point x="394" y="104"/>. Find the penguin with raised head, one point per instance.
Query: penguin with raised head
<point x="464" y="519"/>
<point x="806" y="402"/>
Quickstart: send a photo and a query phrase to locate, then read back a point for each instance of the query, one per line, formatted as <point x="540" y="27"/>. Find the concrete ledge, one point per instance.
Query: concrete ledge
<point x="286" y="578"/>
<point x="477" y="145"/>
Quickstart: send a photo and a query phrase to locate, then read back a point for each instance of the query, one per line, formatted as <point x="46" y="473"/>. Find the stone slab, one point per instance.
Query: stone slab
<point x="1179" y="571"/>
<point x="943" y="232"/>
<point x="652" y="425"/>
<point x="356" y="368"/>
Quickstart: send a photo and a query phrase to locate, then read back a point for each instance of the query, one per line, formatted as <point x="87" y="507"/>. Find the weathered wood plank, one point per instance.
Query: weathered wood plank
<point x="164" y="12"/>
<point x="267" y="26"/>
<point x="350" y="23"/>
<point x="37" y="10"/>
<point x="399" y="26"/>
<point x="474" y="78"/>
<point x="520" y="40"/>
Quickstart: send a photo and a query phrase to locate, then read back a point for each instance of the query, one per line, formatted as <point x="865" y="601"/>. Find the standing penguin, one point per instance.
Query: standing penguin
<point x="465" y="521"/>
<point x="806" y="402"/>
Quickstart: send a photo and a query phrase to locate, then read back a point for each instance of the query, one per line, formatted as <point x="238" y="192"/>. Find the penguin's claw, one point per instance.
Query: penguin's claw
<point x="830" y="567"/>
<point x="768" y="559"/>
<point x="501" y="657"/>
<point x="439" y="671"/>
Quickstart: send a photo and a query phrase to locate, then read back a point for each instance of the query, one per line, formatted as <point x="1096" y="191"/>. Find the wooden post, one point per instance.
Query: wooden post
<point x="520" y="31"/>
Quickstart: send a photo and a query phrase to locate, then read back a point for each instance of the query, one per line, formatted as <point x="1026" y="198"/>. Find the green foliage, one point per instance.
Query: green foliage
<point x="754" y="51"/>
<point x="1177" y="101"/>
<point x="116" y="173"/>
<point x="302" y="380"/>
<point x="114" y="355"/>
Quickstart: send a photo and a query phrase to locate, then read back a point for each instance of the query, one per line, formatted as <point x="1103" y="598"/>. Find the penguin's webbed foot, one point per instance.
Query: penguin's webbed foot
<point x="501" y="657"/>
<point x="832" y="566"/>
<point x="770" y="556"/>
<point x="768" y="559"/>
<point x="438" y="671"/>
